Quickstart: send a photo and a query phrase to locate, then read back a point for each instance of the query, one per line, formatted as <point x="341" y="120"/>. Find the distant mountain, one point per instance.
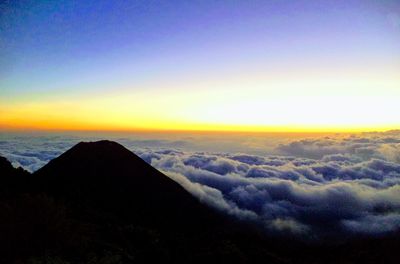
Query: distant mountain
<point x="100" y="203"/>
<point x="109" y="177"/>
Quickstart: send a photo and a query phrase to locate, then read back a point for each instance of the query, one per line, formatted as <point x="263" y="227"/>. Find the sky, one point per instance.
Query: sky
<point x="200" y="65"/>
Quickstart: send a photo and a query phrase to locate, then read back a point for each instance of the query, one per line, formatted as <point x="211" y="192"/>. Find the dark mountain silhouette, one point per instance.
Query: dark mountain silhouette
<point x="106" y="175"/>
<point x="100" y="203"/>
<point x="12" y="180"/>
<point x="7" y="170"/>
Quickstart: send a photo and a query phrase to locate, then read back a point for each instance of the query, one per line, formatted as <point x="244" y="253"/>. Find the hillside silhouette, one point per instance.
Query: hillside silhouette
<point x="100" y="203"/>
<point x="107" y="176"/>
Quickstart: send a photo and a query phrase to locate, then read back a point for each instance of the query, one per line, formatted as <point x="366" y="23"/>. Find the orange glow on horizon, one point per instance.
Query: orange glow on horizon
<point x="222" y="110"/>
<point x="45" y="125"/>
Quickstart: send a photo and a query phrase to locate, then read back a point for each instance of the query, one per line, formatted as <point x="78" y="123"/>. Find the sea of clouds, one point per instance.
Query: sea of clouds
<point x="314" y="186"/>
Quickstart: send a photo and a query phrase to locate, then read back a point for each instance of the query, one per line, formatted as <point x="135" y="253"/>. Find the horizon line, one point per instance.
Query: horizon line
<point x="200" y="131"/>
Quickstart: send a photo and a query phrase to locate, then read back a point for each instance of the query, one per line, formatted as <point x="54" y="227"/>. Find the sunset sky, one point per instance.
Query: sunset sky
<point x="200" y="65"/>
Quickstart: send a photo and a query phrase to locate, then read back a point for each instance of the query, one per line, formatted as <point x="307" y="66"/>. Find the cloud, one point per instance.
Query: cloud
<point x="213" y="197"/>
<point x="315" y="187"/>
<point x="374" y="224"/>
<point x="390" y="152"/>
<point x="289" y="225"/>
<point x="314" y="149"/>
<point x="362" y="146"/>
<point x="32" y="152"/>
<point x="324" y="185"/>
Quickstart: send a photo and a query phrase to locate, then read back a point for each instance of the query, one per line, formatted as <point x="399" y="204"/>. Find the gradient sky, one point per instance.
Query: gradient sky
<point x="200" y="65"/>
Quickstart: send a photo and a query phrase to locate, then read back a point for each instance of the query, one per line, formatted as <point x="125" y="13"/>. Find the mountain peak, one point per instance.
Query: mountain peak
<point x="99" y="144"/>
<point x="98" y="157"/>
<point x="101" y="159"/>
<point x="103" y="147"/>
<point x="107" y="175"/>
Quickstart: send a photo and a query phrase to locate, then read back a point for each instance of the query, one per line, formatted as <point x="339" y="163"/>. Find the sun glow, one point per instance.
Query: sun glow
<point x="195" y="109"/>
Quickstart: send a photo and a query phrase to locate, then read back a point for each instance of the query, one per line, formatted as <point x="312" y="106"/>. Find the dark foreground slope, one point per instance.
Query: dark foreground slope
<point x="12" y="180"/>
<point x="100" y="203"/>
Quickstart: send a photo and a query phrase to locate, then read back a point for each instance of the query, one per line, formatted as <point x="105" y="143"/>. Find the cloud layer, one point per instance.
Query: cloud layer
<point x="311" y="187"/>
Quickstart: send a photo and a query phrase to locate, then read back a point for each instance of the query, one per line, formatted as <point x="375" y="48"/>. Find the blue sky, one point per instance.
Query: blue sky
<point x="72" y="49"/>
